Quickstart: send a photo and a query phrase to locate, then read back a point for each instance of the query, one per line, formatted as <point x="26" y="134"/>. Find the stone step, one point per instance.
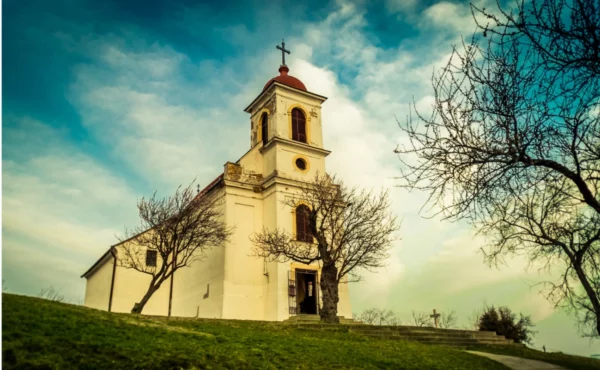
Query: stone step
<point x="429" y="335"/>
<point x="316" y="319"/>
<point x="423" y="332"/>
<point x="432" y="336"/>
<point x="440" y="339"/>
<point x="426" y="336"/>
<point x="409" y="336"/>
<point x="361" y="326"/>
<point x="419" y="329"/>
<point x="445" y="341"/>
<point x="399" y="330"/>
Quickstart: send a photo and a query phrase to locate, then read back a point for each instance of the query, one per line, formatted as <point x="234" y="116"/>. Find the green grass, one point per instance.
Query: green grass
<point x="568" y="361"/>
<point x="39" y="334"/>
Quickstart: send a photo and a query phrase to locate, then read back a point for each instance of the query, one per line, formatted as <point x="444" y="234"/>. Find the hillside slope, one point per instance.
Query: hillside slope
<point x="41" y="334"/>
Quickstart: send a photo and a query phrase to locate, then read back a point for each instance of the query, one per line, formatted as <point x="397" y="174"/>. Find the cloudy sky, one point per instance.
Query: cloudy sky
<point x="106" y="101"/>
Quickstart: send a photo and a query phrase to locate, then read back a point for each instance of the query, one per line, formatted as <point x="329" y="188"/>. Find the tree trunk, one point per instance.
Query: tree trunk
<point x="592" y="295"/>
<point x="139" y="306"/>
<point x="329" y="289"/>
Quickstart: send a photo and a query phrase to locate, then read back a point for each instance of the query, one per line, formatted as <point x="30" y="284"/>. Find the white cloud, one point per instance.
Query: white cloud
<point x="168" y="119"/>
<point x="61" y="209"/>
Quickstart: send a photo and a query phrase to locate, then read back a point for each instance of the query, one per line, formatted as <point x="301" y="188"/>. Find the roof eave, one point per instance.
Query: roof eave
<point x="98" y="262"/>
<point x="276" y="83"/>
<point x="205" y="191"/>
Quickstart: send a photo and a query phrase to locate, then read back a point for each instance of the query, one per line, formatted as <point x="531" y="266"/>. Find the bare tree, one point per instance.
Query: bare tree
<point x="513" y="144"/>
<point x="448" y="320"/>
<point x="421" y="319"/>
<point x="391" y="319"/>
<point x="51" y="294"/>
<point x="352" y="229"/>
<point x="174" y="232"/>
<point x="473" y="320"/>
<point x="378" y="316"/>
<point x="369" y="316"/>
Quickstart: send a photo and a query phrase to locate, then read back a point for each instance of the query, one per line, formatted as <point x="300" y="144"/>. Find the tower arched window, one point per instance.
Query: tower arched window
<point x="303" y="233"/>
<point x="298" y="125"/>
<point x="264" y="127"/>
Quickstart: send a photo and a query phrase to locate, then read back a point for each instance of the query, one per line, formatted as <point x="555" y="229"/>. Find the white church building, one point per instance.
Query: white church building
<point x="286" y="150"/>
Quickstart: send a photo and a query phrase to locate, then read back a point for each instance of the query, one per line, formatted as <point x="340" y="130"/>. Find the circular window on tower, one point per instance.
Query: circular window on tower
<point x="301" y="163"/>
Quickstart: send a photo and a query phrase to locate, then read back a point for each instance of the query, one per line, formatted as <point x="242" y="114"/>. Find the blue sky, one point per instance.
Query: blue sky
<point x="106" y="101"/>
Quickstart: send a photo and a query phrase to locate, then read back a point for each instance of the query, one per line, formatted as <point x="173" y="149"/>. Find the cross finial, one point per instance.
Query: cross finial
<point x="283" y="51"/>
<point x="435" y="317"/>
<point x="198" y="187"/>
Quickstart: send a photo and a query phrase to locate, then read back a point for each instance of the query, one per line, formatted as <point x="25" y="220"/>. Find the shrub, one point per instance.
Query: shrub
<point x="503" y="321"/>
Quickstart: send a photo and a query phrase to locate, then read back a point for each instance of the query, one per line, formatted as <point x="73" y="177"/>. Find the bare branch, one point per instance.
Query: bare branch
<point x="351" y="229"/>
<point x="51" y="294"/>
<point x="421" y="319"/>
<point x="513" y="144"/>
<point x="174" y="232"/>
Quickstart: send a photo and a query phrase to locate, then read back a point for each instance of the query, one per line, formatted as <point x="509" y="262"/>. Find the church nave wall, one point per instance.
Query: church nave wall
<point x="97" y="290"/>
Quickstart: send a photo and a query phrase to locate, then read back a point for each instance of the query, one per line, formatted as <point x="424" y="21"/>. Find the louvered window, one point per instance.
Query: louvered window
<point x="298" y="125"/>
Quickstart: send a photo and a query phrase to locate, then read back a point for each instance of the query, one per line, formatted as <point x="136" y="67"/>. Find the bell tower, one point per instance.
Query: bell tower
<point x="286" y="125"/>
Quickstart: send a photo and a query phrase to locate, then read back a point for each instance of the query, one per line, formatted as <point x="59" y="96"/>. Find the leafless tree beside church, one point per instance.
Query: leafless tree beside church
<point x="344" y="229"/>
<point x="174" y="232"/>
<point x="513" y="144"/>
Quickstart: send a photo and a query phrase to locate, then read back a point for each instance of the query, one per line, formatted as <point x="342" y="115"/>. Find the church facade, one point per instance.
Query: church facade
<point x="286" y="150"/>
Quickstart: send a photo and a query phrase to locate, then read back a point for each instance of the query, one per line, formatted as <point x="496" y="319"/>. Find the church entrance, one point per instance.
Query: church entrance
<point x="306" y="283"/>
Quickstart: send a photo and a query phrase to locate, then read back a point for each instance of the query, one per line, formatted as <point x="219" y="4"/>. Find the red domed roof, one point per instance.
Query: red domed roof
<point x="286" y="79"/>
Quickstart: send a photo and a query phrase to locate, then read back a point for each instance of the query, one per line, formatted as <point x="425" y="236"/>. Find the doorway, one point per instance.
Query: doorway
<point x="306" y="283"/>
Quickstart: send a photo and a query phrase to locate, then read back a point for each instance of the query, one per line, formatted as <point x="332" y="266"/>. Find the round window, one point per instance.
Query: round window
<point x="301" y="164"/>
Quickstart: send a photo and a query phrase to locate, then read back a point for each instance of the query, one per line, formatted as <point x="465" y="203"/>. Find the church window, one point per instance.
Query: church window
<point x="150" y="258"/>
<point x="298" y="125"/>
<point x="264" y="128"/>
<point x="301" y="164"/>
<point x="303" y="233"/>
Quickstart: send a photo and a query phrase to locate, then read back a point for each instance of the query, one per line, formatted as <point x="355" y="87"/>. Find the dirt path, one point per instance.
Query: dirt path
<point x="518" y="363"/>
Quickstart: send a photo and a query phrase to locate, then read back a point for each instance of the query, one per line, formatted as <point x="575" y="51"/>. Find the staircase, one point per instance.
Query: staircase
<point x="316" y="319"/>
<point x="426" y="335"/>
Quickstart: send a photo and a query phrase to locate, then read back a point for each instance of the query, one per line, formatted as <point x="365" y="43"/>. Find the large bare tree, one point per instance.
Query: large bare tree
<point x="174" y="232"/>
<point x="346" y="230"/>
<point x="513" y="143"/>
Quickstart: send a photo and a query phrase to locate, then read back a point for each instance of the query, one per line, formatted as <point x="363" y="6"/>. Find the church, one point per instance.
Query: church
<point x="286" y="150"/>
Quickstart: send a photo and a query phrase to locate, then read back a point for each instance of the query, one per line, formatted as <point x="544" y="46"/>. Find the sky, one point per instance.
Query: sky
<point x="106" y="101"/>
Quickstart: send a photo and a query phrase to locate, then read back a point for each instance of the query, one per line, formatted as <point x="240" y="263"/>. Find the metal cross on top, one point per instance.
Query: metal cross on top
<point x="283" y="51"/>
<point x="435" y="317"/>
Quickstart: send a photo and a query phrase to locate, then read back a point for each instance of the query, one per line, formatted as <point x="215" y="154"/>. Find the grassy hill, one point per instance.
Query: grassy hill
<point x="40" y="334"/>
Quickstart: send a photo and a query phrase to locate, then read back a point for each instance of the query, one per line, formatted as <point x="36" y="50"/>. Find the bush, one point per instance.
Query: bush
<point x="503" y="322"/>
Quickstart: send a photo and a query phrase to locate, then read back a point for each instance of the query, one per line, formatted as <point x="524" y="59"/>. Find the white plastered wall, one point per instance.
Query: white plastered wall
<point x="97" y="288"/>
<point x="286" y="99"/>
<point x="198" y="289"/>
<point x="245" y="282"/>
<point x="131" y="285"/>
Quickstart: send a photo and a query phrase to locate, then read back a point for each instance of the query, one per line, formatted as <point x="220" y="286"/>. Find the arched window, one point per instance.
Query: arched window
<point x="303" y="233"/>
<point x="264" y="127"/>
<point x="298" y="125"/>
